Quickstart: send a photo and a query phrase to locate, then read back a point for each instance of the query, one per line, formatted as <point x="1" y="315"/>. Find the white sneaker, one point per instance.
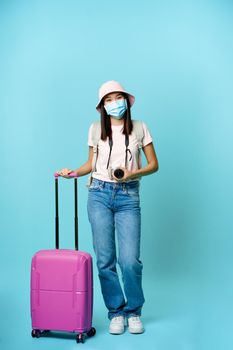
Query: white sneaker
<point x="135" y="325"/>
<point x="117" y="325"/>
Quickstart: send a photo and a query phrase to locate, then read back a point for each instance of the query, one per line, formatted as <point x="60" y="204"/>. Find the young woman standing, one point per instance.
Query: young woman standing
<point x="114" y="204"/>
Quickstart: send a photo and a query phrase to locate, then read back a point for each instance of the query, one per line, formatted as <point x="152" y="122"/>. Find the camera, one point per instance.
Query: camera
<point x="118" y="173"/>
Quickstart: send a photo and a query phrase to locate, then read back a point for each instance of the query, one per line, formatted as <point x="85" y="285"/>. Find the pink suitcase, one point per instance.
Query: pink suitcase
<point x="62" y="287"/>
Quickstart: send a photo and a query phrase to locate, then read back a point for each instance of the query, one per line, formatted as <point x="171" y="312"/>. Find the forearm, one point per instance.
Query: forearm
<point x="84" y="169"/>
<point x="147" y="170"/>
<point x="152" y="163"/>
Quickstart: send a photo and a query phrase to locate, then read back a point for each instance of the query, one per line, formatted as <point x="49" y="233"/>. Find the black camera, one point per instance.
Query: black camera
<point x="118" y="173"/>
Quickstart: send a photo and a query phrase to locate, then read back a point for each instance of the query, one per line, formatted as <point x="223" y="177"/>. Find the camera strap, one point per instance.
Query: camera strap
<point x="110" y="150"/>
<point x="127" y="150"/>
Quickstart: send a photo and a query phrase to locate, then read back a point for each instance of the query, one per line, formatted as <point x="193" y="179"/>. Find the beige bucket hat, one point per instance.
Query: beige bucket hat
<point x="112" y="86"/>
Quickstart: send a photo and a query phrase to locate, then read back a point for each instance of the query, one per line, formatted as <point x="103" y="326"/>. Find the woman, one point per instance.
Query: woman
<point x="113" y="203"/>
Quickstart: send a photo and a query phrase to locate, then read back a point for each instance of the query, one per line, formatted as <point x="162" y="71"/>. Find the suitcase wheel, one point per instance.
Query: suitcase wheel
<point x="80" y="338"/>
<point x="35" y="333"/>
<point x="91" y="332"/>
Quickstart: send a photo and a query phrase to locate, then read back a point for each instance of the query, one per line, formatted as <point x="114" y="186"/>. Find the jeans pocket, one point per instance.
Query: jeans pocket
<point x="133" y="191"/>
<point x="95" y="186"/>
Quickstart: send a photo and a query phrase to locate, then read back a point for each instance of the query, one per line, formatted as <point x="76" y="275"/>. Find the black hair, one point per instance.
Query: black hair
<point x="106" y="129"/>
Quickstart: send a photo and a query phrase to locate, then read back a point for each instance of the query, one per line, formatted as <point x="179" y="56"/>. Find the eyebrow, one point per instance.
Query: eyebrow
<point x="118" y="94"/>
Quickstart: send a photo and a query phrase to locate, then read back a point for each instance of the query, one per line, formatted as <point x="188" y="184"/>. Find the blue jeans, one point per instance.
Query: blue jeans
<point x="115" y="207"/>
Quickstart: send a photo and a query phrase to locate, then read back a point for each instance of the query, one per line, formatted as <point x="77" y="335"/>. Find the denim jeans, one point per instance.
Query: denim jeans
<point x="115" y="208"/>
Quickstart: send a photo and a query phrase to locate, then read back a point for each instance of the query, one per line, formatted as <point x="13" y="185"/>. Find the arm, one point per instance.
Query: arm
<point x="86" y="167"/>
<point x="82" y="170"/>
<point x="151" y="167"/>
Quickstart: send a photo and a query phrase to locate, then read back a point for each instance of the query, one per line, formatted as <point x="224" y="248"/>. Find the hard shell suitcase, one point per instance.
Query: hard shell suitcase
<point x="62" y="286"/>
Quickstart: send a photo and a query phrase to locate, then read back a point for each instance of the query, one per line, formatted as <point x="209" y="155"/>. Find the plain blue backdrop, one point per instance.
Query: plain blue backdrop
<point x="176" y="57"/>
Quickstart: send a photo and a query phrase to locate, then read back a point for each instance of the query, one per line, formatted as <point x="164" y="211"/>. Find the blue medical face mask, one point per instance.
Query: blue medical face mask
<point x="116" y="108"/>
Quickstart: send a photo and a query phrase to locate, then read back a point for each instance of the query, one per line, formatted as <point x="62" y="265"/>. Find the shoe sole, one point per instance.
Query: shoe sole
<point x="136" y="332"/>
<point x="116" y="333"/>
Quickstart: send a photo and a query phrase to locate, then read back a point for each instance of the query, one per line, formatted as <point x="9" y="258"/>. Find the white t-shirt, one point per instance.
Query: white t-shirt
<point x="117" y="159"/>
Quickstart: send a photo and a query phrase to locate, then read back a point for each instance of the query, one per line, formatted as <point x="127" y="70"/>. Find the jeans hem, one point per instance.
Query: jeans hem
<point x="126" y="315"/>
<point x="133" y="315"/>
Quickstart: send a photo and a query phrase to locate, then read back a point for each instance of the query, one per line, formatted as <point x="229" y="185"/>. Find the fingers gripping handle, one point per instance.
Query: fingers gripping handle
<point x="73" y="174"/>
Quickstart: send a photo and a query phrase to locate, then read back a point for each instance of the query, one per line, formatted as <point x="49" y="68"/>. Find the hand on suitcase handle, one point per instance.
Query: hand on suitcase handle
<point x="72" y="174"/>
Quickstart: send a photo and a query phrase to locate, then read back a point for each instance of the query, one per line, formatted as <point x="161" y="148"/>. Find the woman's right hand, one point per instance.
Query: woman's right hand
<point x="64" y="173"/>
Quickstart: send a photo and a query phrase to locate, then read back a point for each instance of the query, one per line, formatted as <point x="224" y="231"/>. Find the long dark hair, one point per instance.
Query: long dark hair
<point x="106" y="129"/>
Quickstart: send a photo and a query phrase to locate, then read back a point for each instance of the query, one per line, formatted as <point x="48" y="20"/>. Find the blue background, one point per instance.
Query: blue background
<point x="176" y="57"/>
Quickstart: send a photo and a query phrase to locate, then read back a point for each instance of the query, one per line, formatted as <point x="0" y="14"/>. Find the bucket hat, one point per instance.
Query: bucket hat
<point x="112" y="86"/>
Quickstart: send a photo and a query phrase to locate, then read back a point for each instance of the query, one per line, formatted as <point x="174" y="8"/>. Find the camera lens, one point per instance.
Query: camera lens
<point x="119" y="173"/>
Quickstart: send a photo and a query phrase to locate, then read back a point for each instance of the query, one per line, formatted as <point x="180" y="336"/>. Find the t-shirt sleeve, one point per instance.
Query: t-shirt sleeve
<point x="90" y="142"/>
<point x="147" y="136"/>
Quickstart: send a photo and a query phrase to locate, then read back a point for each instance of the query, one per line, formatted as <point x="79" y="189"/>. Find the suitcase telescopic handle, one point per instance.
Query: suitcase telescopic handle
<point x="72" y="175"/>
